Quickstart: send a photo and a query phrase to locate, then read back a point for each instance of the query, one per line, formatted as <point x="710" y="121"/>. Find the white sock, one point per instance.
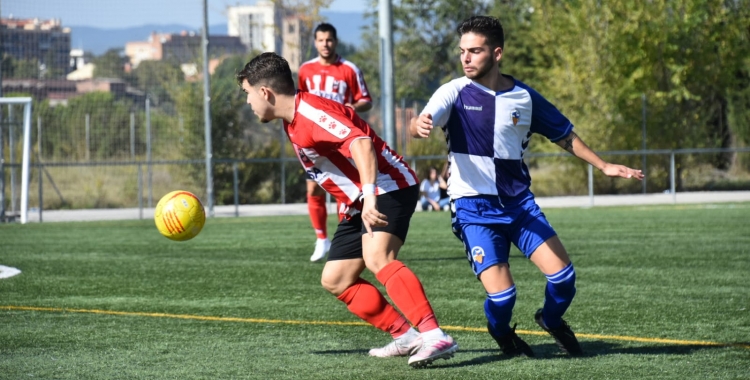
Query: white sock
<point x="408" y="336"/>
<point x="433" y="334"/>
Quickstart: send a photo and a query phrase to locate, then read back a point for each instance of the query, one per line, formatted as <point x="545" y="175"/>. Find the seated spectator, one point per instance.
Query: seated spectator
<point x="430" y="191"/>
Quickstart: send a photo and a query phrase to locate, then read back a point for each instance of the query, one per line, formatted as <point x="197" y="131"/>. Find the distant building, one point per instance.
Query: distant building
<point x="58" y="91"/>
<point x="82" y="73"/>
<point x="266" y="26"/>
<point x="77" y="59"/>
<point x="256" y="25"/>
<point x="43" y="42"/>
<point x="296" y="37"/>
<point x="181" y="48"/>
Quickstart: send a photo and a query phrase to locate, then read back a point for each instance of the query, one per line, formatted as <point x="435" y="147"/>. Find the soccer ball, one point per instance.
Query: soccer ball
<point x="179" y="215"/>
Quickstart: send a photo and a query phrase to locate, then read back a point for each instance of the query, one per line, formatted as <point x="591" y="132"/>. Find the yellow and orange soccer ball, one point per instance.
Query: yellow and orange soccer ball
<point x="179" y="215"/>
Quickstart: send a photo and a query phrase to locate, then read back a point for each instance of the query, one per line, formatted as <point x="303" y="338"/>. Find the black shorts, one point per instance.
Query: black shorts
<point x="398" y="206"/>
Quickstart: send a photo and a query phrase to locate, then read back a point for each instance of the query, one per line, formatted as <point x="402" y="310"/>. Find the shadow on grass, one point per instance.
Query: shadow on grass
<point x="341" y="352"/>
<point x="592" y="349"/>
<point x="492" y="356"/>
<point x="601" y="348"/>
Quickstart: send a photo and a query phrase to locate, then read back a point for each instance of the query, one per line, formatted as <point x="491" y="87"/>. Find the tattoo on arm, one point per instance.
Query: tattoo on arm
<point x="568" y="142"/>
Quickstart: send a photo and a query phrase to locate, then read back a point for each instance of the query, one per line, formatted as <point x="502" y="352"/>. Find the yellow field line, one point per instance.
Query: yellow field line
<point x="339" y="323"/>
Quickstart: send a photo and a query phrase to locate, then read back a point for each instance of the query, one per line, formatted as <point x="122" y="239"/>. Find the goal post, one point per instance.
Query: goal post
<point x="26" y="155"/>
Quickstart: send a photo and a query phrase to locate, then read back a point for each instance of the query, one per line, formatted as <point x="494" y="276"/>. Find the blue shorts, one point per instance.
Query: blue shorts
<point x="488" y="224"/>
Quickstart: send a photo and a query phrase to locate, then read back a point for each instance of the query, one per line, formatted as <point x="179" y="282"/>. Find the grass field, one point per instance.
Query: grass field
<point x="663" y="293"/>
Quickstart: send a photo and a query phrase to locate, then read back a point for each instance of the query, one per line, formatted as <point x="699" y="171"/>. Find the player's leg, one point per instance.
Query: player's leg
<point x="487" y="249"/>
<point x="380" y="253"/>
<point x="341" y="277"/>
<point x="552" y="259"/>
<point x="539" y="242"/>
<point x="316" y="207"/>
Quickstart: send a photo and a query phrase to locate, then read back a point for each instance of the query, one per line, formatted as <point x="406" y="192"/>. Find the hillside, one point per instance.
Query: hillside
<point x="99" y="40"/>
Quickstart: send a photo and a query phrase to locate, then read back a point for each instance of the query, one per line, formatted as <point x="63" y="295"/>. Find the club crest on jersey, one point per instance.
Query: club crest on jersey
<point x="515" y="115"/>
<point x="477" y="254"/>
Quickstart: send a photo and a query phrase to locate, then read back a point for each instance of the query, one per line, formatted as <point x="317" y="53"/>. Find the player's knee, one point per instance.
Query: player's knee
<point x="333" y="284"/>
<point x="376" y="264"/>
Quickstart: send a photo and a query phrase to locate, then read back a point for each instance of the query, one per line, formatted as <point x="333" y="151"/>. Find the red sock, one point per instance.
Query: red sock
<point x="364" y="300"/>
<point x="316" y="206"/>
<point x="407" y="294"/>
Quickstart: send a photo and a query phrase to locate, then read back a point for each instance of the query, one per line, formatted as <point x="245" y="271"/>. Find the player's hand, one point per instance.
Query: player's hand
<point x="613" y="170"/>
<point x="424" y="125"/>
<point x="371" y="217"/>
<point x="350" y="106"/>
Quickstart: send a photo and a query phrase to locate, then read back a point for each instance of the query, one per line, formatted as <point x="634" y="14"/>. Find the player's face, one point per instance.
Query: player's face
<point x="257" y="98"/>
<point x="326" y="44"/>
<point x="477" y="58"/>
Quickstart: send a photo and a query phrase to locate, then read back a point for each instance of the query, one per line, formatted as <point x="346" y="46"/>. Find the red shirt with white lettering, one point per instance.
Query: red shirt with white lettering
<point x="341" y="81"/>
<point x="322" y="132"/>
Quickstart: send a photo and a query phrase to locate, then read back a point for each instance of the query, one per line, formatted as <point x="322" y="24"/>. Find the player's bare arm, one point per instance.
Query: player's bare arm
<point x="573" y="144"/>
<point x="363" y="154"/>
<point x="421" y="126"/>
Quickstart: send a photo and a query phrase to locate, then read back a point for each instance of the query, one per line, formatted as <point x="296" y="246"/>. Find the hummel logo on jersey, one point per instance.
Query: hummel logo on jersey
<point x="472" y="108"/>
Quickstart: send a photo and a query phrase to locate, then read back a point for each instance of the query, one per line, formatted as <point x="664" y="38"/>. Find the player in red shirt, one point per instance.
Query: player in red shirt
<point x="335" y="78"/>
<point x="378" y="192"/>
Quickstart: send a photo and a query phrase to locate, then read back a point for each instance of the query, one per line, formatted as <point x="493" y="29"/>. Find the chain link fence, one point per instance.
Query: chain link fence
<point x="118" y="116"/>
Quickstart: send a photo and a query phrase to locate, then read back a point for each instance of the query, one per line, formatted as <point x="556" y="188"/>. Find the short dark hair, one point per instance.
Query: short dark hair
<point x="326" y="27"/>
<point x="271" y="70"/>
<point x="487" y="26"/>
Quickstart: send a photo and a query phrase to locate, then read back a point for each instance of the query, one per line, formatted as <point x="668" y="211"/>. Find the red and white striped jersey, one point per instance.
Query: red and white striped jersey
<point x="341" y="81"/>
<point x="322" y="132"/>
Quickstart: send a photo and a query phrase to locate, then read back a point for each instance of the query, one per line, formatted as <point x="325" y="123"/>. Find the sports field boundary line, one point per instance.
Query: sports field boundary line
<point x="342" y="323"/>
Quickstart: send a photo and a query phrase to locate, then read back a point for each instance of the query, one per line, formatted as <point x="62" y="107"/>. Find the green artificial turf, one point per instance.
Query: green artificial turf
<point x="663" y="293"/>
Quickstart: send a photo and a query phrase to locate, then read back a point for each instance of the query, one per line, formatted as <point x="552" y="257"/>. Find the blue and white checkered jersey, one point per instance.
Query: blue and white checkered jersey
<point x="487" y="133"/>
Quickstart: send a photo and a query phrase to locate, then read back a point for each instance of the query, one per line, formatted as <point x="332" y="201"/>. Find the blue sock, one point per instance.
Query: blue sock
<point x="561" y="288"/>
<point x="498" y="307"/>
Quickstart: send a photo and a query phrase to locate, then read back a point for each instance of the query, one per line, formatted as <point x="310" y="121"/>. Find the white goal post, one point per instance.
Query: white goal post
<point x="26" y="160"/>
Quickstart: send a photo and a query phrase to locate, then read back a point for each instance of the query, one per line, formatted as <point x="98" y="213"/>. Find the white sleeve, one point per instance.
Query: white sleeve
<point x="441" y="102"/>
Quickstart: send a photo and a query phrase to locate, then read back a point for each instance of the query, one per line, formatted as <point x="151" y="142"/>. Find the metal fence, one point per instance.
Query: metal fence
<point x="140" y="184"/>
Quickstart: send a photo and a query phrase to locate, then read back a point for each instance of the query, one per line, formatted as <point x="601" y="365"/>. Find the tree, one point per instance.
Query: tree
<point x="683" y="55"/>
<point x="111" y="64"/>
<point x="64" y="128"/>
<point x="156" y="78"/>
<point x="425" y="47"/>
<point x="19" y="69"/>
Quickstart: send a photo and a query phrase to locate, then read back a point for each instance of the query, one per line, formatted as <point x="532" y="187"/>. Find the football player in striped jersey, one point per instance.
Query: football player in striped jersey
<point x="378" y="193"/>
<point x="330" y="76"/>
<point x="488" y="119"/>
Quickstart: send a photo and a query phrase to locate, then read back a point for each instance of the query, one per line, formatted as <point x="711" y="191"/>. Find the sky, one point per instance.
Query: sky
<point x="127" y="13"/>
